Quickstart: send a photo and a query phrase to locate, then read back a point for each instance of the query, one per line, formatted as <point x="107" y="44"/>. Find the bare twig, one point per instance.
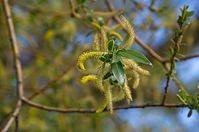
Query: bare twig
<point x="177" y="41"/>
<point x="77" y="110"/>
<point x="18" y="67"/>
<point x="183" y="58"/>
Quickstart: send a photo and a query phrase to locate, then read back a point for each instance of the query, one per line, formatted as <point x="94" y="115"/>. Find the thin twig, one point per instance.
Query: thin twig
<point x="177" y="41"/>
<point x="182" y="58"/>
<point x="77" y="110"/>
<point x="17" y="63"/>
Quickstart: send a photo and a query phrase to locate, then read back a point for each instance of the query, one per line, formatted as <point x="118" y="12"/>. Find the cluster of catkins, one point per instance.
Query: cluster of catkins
<point x="100" y="48"/>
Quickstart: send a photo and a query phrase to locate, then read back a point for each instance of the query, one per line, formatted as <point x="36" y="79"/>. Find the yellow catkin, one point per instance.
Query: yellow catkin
<point x="127" y="91"/>
<point x="96" y="45"/>
<point x="115" y="34"/>
<point x="84" y="56"/>
<point x="130" y="64"/>
<point x="118" y="97"/>
<point x="131" y="35"/>
<point x="97" y="26"/>
<point x="136" y="79"/>
<point x="87" y="78"/>
<point x="108" y="97"/>
<point x="104" y="40"/>
<point x="99" y="81"/>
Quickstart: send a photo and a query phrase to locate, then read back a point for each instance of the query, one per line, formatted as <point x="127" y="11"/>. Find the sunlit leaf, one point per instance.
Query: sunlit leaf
<point x="118" y="72"/>
<point x="134" y="55"/>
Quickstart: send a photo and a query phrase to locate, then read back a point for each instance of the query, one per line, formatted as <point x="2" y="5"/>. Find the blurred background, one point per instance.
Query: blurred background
<point x="50" y="41"/>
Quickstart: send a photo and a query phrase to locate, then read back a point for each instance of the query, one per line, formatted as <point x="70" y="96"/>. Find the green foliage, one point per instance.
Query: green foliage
<point x="192" y="101"/>
<point x="185" y="15"/>
<point x="134" y="55"/>
<point x="50" y="40"/>
<point x="114" y="59"/>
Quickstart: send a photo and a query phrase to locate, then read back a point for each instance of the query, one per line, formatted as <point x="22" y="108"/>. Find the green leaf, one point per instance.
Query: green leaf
<point x="100" y="21"/>
<point x="107" y="75"/>
<point x="89" y="18"/>
<point x="118" y="72"/>
<point x="116" y="58"/>
<point x="190" y="13"/>
<point x="106" y="58"/>
<point x="111" y="45"/>
<point x="134" y="55"/>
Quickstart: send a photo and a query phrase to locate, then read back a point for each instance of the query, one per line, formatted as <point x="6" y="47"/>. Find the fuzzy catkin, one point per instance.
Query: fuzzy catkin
<point x="131" y="35"/>
<point x="108" y="97"/>
<point x="104" y="39"/>
<point x="115" y="34"/>
<point x="99" y="81"/>
<point x="127" y="91"/>
<point x="132" y="65"/>
<point x="135" y="78"/>
<point x="96" y="44"/>
<point x="83" y="57"/>
<point x="87" y="78"/>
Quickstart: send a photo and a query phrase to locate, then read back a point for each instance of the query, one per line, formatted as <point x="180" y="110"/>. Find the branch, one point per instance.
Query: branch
<point x="77" y="110"/>
<point x="183" y="58"/>
<point x="17" y="63"/>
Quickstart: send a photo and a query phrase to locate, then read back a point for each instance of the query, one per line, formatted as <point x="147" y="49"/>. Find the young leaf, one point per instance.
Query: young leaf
<point x="111" y="45"/>
<point x="116" y="57"/>
<point x="100" y="21"/>
<point x="107" y="75"/>
<point x="134" y="55"/>
<point x="118" y="72"/>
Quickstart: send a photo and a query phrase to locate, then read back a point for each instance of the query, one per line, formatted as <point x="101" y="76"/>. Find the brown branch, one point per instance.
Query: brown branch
<point x="183" y="58"/>
<point x="17" y="63"/>
<point x="77" y="110"/>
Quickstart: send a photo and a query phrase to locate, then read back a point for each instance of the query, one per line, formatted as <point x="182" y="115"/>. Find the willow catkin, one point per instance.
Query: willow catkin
<point x="108" y="97"/>
<point x="127" y="91"/>
<point x="96" y="42"/>
<point x="134" y="78"/>
<point x="119" y="96"/>
<point x="129" y="29"/>
<point x="115" y="34"/>
<point x="87" y="78"/>
<point x="104" y="40"/>
<point x="99" y="81"/>
<point x="132" y="65"/>
<point x="83" y="57"/>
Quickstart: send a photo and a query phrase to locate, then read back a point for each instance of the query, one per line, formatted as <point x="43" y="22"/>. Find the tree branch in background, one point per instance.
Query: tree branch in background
<point x="17" y="63"/>
<point x="77" y="110"/>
